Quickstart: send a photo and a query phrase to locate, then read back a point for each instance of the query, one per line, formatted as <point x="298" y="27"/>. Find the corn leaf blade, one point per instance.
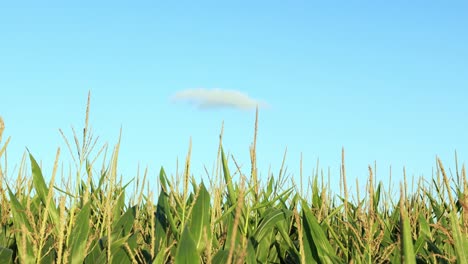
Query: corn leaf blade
<point x="6" y="255"/>
<point x="43" y="191"/>
<point x="187" y="249"/>
<point x="200" y="222"/>
<point x="317" y="248"/>
<point x="79" y="235"/>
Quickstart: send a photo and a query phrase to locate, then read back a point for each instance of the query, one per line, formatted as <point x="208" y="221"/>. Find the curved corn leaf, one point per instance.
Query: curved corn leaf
<point x="317" y="248"/>
<point x="271" y="218"/>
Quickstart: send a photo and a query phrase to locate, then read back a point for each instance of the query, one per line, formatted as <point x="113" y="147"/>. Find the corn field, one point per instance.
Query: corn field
<point x="92" y="216"/>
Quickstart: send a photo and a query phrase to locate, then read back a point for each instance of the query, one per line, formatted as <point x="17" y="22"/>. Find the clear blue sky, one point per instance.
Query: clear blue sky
<point x="386" y="80"/>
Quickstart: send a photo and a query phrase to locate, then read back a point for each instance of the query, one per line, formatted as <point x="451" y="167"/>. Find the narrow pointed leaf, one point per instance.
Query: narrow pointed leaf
<point x="43" y="191"/>
<point x="125" y="223"/>
<point x="407" y="241"/>
<point x="6" y="255"/>
<point x="317" y="246"/>
<point x="200" y="222"/>
<point x="221" y="257"/>
<point x="461" y="240"/>
<point x="79" y="236"/>
<point x="187" y="249"/>
<point x="227" y="177"/>
<point x="21" y="221"/>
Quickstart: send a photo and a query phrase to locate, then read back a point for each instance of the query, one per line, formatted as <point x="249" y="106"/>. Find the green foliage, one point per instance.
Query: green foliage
<point x="226" y="221"/>
<point x="200" y="223"/>
<point x="6" y="255"/>
<point x="80" y="235"/>
<point x="187" y="249"/>
<point x="317" y="247"/>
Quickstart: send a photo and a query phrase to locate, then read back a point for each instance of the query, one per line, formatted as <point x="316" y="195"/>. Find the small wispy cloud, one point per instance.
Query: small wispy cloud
<point x="218" y="98"/>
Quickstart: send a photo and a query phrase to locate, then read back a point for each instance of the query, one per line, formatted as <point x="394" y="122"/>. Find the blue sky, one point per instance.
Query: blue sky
<point x="385" y="80"/>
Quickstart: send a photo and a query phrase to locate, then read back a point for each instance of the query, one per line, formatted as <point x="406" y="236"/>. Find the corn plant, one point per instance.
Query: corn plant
<point x="91" y="216"/>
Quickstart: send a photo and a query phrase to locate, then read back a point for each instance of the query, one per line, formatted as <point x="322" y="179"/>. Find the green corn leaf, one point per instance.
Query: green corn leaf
<point x="377" y="197"/>
<point x="227" y="177"/>
<point x="272" y="217"/>
<point x="345" y="250"/>
<point x="419" y="244"/>
<point x="407" y="241"/>
<point x="164" y="216"/>
<point x="229" y="223"/>
<point x="119" y="206"/>
<point x="161" y="224"/>
<point x="273" y="256"/>
<point x="187" y="249"/>
<point x="121" y="235"/>
<point x="79" y="235"/>
<point x="161" y="256"/>
<point x="20" y="220"/>
<point x="19" y="215"/>
<point x="424" y="236"/>
<point x="316" y="201"/>
<point x="163" y="179"/>
<point x="317" y="248"/>
<point x="194" y="184"/>
<point x="42" y="190"/>
<point x="221" y="257"/>
<point x="269" y="189"/>
<point x="435" y="249"/>
<point x="287" y="242"/>
<point x="120" y="254"/>
<point x="250" y="258"/>
<point x="269" y="202"/>
<point x="424" y="227"/>
<point x="461" y="240"/>
<point x="49" y="255"/>
<point x="396" y="256"/>
<point x="200" y="222"/>
<point x="263" y="248"/>
<point x="6" y="255"/>
<point x="125" y="223"/>
<point x="164" y="210"/>
<point x="97" y="253"/>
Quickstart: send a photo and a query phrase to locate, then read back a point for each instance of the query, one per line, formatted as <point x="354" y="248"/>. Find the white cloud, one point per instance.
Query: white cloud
<point x="218" y="98"/>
